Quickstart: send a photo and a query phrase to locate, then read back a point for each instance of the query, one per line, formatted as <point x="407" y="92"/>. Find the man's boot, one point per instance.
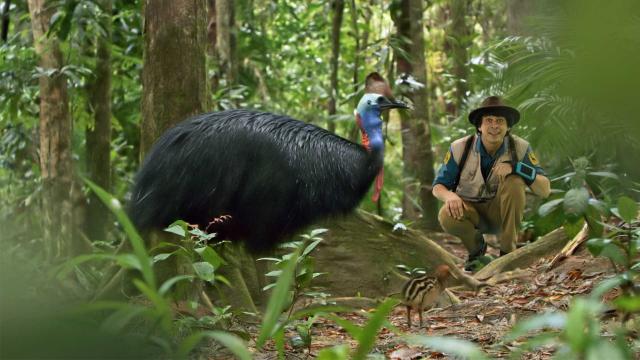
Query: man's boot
<point x="479" y="252"/>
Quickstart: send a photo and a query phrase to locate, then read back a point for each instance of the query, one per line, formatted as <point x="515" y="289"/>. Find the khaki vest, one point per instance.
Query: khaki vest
<point x="472" y="186"/>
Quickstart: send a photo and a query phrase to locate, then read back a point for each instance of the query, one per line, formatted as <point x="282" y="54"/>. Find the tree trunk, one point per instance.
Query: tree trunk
<point x="174" y="73"/>
<point x="459" y="40"/>
<point x="518" y="12"/>
<point x="174" y="87"/>
<point x="5" y="20"/>
<point x="225" y="40"/>
<point x="99" y="136"/>
<point x="416" y="133"/>
<point x="55" y="137"/>
<point x="212" y="41"/>
<point x="338" y="10"/>
<point x="362" y="42"/>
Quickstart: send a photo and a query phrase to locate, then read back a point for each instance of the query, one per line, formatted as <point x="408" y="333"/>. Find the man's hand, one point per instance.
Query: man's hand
<point x="502" y="170"/>
<point x="454" y="205"/>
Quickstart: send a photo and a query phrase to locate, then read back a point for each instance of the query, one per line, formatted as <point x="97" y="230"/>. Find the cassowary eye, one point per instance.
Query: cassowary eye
<point x="380" y="99"/>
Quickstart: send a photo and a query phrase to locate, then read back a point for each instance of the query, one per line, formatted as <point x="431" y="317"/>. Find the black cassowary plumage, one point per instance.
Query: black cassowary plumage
<point x="272" y="174"/>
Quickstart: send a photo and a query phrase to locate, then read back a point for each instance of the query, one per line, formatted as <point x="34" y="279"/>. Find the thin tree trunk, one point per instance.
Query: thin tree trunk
<point x="174" y="73"/>
<point x="225" y="40"/>
<point x="55" y="137"/>
<point x="518" y="12"/>
<point x="338" y="10"/>
<point x="459" y="40"/>
<point x="356" y="58"/>
<point x="361" y="43"/>
<point x="212" y="40"/>
<point x="416" y="133"/>
<point x="5" y="20"/>
<point x="99" y="136"/>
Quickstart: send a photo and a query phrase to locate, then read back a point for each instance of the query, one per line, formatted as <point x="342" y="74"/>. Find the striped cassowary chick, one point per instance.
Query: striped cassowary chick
<point x="421" y="293"/>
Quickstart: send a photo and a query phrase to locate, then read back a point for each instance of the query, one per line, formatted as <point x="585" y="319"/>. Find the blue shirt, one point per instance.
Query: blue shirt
<point x="448" y="172"/>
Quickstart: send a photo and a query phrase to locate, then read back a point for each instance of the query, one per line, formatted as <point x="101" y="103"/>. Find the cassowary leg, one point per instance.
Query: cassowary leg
<point x="409" y="316"/>
<point x="420" y="316"/>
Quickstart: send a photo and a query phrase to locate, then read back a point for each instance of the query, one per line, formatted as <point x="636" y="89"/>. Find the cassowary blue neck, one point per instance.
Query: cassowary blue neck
<point x="371" y="127"/>
<point x="370" y="123"/>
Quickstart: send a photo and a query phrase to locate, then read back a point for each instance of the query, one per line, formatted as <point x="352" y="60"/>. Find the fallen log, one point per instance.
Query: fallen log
<point x="360" y="253"/>
<point x="571" y="246"/>
<point x="521" y="258"/>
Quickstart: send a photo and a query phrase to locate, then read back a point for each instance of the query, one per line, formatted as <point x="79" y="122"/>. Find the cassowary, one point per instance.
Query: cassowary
<point x="265" y="175"/>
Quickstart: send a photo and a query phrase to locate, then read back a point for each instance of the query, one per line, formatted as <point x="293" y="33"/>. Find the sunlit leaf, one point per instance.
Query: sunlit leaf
<point x="204" y="270"/>
<point x="211" y="256"/>
<point x="548" y="207"/>
<point x="179" y="228"/>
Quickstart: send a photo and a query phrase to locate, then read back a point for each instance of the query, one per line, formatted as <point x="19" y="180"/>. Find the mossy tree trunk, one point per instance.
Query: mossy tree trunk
<point x="174" y="77"/>
<point x="174" y="83"/>
<point x="418" y="203"/>
<point x="459" y="40"/>
<point x="55" y="136"/>
<point x="98" y="134"/>
<point x="337" y="7"/>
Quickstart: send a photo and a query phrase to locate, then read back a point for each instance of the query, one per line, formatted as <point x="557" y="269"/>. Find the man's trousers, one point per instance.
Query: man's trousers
<point x="501" y="215"/>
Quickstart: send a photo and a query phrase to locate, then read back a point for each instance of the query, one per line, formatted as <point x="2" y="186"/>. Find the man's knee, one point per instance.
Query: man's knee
<point x="512" y="186"/>
<point x="448" y="222"/>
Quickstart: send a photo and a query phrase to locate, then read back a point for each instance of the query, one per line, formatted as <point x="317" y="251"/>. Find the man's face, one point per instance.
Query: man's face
<point x="493" y="129"/>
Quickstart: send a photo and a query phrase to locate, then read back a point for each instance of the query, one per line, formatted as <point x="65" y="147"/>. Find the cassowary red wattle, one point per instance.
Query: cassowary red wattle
<point x="270" y="174"/>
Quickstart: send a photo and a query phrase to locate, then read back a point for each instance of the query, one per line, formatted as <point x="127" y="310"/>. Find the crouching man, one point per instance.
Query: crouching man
<point x="482" y="180"/>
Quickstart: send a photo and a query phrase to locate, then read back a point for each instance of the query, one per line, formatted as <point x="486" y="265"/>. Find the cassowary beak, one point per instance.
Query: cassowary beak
<point x="385" y="104"/>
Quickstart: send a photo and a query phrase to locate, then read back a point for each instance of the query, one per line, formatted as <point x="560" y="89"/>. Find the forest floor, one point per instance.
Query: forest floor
<point x="482" y="318"/>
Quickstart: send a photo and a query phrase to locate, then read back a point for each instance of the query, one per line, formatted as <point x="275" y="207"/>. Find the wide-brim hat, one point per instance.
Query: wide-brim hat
<point x="493" y="105"/>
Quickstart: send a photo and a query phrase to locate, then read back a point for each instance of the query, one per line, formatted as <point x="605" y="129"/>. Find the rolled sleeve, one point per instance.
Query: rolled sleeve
<point x="531" y="160"/>
<point x="448" y="172"/>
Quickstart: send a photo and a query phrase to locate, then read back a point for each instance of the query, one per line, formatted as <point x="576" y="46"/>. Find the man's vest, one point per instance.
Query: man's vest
<point x="472" y="186"/>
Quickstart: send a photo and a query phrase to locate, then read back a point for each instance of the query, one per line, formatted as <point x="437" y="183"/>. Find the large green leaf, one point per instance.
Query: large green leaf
<point x="211" y="256"/>
<point x="204" y="270"/>
<point x="279" y="298"/>
<point x="576" y="201"/>
<point x="628" y="303"/>
<point x="628" y="208"/>
<point x="549" y="320"/>
<point x="338" y="352"/>
<point x="546" y="208"/>
<point x="368" y="335"/>
<point x="166" y="286"/>
<point x="458" y="348"/>
<point x="232" y="342"/>
<point x="132" y="234"/>
<point x="603" y="349"/>
<point x="179" y="228"/>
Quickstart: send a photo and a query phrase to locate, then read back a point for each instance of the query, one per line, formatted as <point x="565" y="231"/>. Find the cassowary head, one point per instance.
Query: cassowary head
<point x="376" y="99"/>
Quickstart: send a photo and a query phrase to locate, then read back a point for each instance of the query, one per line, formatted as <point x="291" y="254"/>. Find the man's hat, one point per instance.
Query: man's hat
<point x="493" y="105"/>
